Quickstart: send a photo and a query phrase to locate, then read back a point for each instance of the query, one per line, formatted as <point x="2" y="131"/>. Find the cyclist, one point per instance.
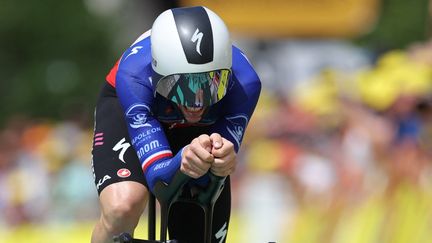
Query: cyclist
<point x="179" y="98"/>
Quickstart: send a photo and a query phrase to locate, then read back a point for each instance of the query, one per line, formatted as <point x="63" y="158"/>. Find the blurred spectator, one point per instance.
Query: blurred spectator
<point x="45" y="172"/>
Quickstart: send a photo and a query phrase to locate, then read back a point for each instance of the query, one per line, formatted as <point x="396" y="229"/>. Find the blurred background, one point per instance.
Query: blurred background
<point x="339" y="149"/>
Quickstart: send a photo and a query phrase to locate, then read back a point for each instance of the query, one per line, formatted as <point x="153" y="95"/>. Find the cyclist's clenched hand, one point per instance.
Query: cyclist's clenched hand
<point x="197" y="158"/>
<point x="225" y="156"/>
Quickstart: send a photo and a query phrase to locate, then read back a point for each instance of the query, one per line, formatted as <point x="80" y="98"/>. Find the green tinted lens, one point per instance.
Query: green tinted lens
<point x="195" y="89"/>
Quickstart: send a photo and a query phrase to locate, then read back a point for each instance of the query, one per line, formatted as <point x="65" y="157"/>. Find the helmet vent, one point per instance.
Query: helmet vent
<point x="195" y="32"/>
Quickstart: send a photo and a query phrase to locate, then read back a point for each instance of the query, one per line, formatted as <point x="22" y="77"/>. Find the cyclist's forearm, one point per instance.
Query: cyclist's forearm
<point x="163" y="170"/>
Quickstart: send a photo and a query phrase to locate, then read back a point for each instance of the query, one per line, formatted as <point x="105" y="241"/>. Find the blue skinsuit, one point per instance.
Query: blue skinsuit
<point x="145" y="110"/>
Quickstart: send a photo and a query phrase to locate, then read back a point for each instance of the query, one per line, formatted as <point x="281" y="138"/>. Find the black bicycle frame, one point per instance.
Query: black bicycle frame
<point x="167" y="194"/>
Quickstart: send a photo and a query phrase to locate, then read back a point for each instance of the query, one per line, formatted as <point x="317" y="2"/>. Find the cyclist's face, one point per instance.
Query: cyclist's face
<point x="192" y="115"/>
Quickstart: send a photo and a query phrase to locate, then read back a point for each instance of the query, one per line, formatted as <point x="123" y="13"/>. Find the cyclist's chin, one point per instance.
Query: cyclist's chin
<point x="193" y="119"/>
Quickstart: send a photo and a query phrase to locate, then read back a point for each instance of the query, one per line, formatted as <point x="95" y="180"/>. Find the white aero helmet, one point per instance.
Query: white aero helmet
<point x="192" y="56"/>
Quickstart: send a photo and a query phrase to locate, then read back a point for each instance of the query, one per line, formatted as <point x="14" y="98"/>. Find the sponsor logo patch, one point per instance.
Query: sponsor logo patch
<point x="123" y="146"/>
<point x="197" y="37"/>
<point x="221" y="234"/>
<point x="237" y="127"/>
<point x="134" y="51"/>
<point x="98" y="139"/>
<point x="101" y="181"/>
<point x="145" y="135"/>
<point x="148" y="147"/>
<point x="137" y="115"/>
<point x="123" y="173"/>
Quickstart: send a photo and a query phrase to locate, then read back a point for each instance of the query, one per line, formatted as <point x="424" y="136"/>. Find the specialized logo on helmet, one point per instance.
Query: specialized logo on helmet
<point x="197" y="36"/>
<point x="192" y="25"/>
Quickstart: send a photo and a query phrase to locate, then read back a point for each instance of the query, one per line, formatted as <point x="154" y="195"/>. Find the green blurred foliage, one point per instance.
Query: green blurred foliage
<point x="53" y="57"/>
<point x="401" y="23"/>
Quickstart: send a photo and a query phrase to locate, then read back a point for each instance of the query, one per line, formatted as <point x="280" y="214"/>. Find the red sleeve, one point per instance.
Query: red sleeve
<point x="111" y="77"/>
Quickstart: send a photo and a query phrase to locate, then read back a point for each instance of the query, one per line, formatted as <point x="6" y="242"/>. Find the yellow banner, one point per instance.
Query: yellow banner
<point x="295" y="18"/>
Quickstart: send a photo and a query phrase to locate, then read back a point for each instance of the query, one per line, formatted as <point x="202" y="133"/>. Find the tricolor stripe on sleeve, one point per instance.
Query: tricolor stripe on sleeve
<point x="156" y="156"/>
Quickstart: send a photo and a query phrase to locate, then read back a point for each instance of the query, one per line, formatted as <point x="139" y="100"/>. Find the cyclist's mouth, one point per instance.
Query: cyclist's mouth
<point x="193" y="109"/>
<point x="192" y="114"/>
